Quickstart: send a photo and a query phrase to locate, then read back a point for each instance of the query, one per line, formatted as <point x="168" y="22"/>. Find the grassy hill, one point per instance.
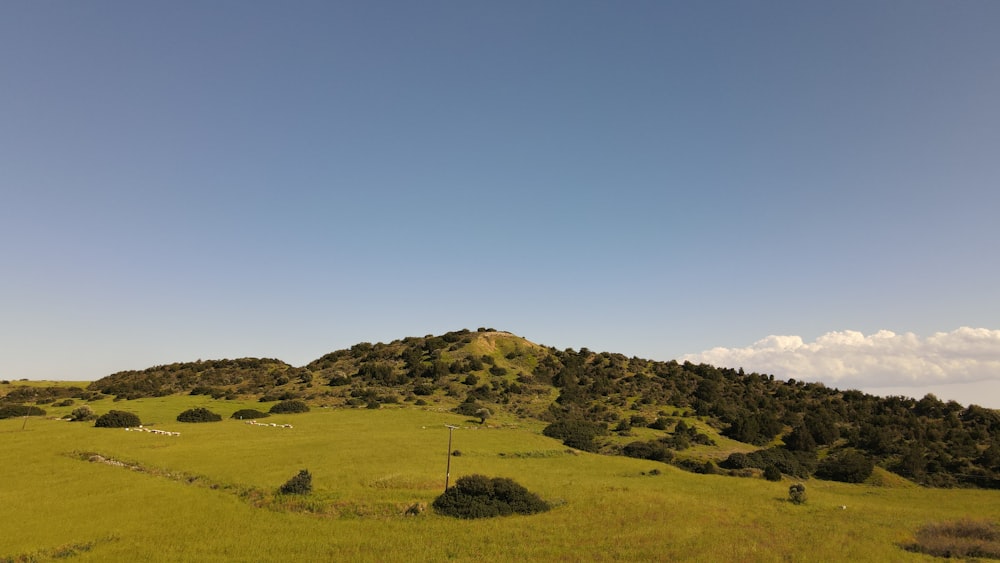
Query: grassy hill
<point x="609" y="403"/>
<point x="560" y="422"/>
<point x="209" y="494"/>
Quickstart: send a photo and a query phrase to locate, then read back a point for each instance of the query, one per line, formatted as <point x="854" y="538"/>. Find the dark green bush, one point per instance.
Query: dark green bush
<point x="468" y="407"/>
<point x="13" y="411"/>
<point x="290" y="406"/>
<point x="652" y="450"/>
<point x="301" y="484"/>
<point x="249" y="414"/>
<point x="847" y="466"/>
<point x="796" y="464"/>
<point x="199" y="414"/>
<point x="478" y="496"/>
<point x="118" y="419"/>
<point x="772" y="473"/>
<point x="694" y="466"/>
<point x="577" y="434"/>
<point x="659" y="424"/>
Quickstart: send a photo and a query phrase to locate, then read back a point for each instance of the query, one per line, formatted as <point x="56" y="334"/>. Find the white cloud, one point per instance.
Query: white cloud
<point x="850" y="359"/>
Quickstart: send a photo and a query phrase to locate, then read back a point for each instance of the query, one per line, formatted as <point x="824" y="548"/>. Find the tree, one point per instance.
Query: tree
<point x="847" y="466"/>
<point x="483" y="414"/>
<point x="772" y="473"/>
<point x="301" y="484"/>
<point x="82" y="413"/>
<point x="800" y="439"/>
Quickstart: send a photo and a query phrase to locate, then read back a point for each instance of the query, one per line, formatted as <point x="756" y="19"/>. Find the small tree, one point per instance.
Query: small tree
<point x="301" y="484"/>
<point x="797" y="493"/>
<point x="483" y="414"/>
<point x="772" y="473"/>
<point x="82" y="413"/>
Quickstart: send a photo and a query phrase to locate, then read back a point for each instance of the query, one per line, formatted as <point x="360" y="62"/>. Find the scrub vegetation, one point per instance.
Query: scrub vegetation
<point x="635" y="460"/>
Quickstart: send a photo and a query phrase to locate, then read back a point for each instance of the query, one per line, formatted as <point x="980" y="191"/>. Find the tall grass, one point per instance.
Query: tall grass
<point x="210" y="495"/>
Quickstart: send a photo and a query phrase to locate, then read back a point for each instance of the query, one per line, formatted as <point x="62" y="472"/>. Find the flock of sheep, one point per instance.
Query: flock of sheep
<point x="255" y="423"/>
<point x="153" y="431"/>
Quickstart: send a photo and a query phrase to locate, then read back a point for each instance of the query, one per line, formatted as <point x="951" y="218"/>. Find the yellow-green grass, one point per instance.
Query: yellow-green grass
<point x="369" y="465"/>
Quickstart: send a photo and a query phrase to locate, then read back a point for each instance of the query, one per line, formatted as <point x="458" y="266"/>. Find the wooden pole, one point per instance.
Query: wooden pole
<point x="447" y="473"/>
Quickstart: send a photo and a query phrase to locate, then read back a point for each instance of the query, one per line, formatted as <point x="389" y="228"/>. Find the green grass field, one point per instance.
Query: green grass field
<point x="209" y="494"/>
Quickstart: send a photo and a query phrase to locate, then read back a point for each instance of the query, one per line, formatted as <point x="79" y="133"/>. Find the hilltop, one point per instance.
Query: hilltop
<point x="699" y="417"/>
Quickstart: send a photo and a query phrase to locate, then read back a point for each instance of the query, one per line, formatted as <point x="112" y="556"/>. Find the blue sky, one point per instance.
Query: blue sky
<point x="204" y="180"/>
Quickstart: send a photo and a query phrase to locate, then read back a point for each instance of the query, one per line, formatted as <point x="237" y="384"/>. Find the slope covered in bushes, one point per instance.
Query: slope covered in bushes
<point x="592" y="400"/>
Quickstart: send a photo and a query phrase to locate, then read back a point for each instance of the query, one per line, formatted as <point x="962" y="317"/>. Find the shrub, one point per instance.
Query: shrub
<point x="423" y="389"/>
<point x="959" y="539"/>
<point x="797" y="493"/>
<point x="478" y="496"/>
<point x="468" y="407"/>
<point x="13" y="411"/>
<point x="694" y="466"/>
<point x="659" y="424"/>
<point x="82" y="413"/>
<point x="577" y="434"/>
<point x="301" y="484"/>
<point x="796" y="464"/>
<point x="848" y="466"/>
<point x="117" y="419"/>
<point x="772" y="473"/>
<point x="249" y="414"/>
<point x="200" y="414"/>
<point x="652" y="450"/>
<point x="289" y="406"/>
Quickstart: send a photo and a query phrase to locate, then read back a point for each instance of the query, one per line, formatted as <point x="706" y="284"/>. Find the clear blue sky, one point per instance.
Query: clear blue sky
<point x="184" y="180"/>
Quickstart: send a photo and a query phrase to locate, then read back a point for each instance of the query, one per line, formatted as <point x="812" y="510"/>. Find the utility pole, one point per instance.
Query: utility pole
<point x="447" y="473"/>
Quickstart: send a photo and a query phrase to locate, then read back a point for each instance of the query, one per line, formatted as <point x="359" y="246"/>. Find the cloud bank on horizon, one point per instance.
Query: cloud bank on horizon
<point x="849" y="359"/>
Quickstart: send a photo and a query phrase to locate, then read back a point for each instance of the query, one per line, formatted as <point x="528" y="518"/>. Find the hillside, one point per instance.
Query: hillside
<point x="699" y="417"/>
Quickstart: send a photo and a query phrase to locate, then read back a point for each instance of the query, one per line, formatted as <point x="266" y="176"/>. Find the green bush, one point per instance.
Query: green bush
<point x="652" y="450"/>
<point x="290" y="406"/>
<point x="847" y="466"/>
<point x="14" y="411"/>
<point x="577" y="434"/>
<point x="199" y="414"/>
<point x="478" y="496"/>
<point x="82" y="413"/>
<point x="796" y="464"/>
<point x="772" y="473"/>
<point x="249" y="414"/>
<point x="301" y="484"/>
<point x="797" y="493"/>
<point x="118" y="419"/>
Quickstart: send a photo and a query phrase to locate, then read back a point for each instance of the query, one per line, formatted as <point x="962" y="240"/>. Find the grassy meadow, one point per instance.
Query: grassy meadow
<point x="209" y="494"/>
